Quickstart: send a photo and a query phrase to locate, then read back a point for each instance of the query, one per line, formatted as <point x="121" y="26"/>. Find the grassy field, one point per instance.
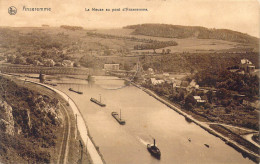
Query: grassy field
<point x="87" y="43"/>
<point x="191" y="44"/>
<point x="117" y="46"/>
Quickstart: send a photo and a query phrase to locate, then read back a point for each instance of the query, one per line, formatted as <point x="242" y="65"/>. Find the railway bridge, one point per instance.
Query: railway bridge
<point x="43" y="70"/>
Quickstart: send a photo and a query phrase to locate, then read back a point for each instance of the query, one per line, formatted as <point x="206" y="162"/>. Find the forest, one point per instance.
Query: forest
<point x="245" y="84"/>
<point x="177" y="31"/>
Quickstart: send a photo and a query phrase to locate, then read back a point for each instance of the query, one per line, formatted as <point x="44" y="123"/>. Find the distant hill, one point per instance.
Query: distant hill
<point x="177" y="31"/>
<point x="71" y="27"/>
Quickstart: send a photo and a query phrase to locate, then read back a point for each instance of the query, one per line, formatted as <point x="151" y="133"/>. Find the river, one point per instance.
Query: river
<point x="146" y="118"/>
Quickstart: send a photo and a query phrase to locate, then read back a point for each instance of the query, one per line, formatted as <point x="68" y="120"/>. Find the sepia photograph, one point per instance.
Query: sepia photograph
<point x="129" y="82"/>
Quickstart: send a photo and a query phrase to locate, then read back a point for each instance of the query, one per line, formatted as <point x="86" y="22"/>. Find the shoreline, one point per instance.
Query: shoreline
<point x="95" y="155"/>
<point x="85" y="135"/>
<point x="245" y="153"/>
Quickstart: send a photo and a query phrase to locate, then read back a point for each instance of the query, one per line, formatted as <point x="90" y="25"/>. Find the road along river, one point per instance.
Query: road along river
<point x="146" y="118"/>
<point x="96" y="158"/>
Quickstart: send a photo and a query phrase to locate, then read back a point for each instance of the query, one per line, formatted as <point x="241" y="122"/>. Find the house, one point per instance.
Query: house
<point x="111" y="67"/>
<point x="49" y="63"/>
<point x="64" y="51"/>
<point x="67" y="63"/>
<point x="58" y="64"/>
<point x="193" y="85"/>
<point x="176" y="83"/>
<point x="37" y="63"/>
<point x="199" y="100"/>
<point x="166" y="75"/>
<point x="247" y="66"/>
<point x="156" y="82"/>
<point x="150" y="71"/>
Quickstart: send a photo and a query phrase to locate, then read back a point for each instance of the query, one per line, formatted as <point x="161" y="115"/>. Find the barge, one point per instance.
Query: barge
<point x="78" y="92"/>
<point x="154" y="150"/>
<point x="97" y="102"/>
<point x="118" y="118"/>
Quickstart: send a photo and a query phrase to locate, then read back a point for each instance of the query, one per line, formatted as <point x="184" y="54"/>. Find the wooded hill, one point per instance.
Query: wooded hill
<point x="177" y="31"/>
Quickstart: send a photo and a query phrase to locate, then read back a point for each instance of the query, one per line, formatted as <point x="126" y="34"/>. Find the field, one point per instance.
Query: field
<point x="192" y="45"/>
<point x="92" y="48"/>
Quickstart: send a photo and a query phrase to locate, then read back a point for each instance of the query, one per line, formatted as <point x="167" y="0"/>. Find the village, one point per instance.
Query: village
<point x="221" y="104"/>
<point x="210" y="83"/>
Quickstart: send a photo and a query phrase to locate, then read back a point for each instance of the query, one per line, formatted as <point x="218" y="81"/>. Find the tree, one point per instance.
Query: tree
<point x="29" y="60"/>
<point x="44" y="54"/>
<point x="163" y="51"/>
<point x="209" y="96"/>
<point x="181" y="96"/>
<point x="190" y="100"/>
<point x="168" y="51"/>
<point x="207" y="106"/>
<point x="19" y="60"/>
<point x="107" y="52"/>
<point x="10" y="59"/>
<point x="188" y="106"/>
<point x="127" y="67"/>
<point x="222" y="93"/>
<point x="154" y="50"/>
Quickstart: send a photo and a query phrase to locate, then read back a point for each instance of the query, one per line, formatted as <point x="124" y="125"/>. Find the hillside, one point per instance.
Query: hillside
<point x="188" y="62"/>
<point x="177" y="31"/>
<point x="92" y="48"/>
<point x="30" y="124"/>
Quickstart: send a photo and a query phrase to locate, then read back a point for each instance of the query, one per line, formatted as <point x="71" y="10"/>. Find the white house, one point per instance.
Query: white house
<point x="112" y="67"/>
<point x="49" y="63"/>
<point x="156" y="82"/>
<point x="247" y="66"/>
<point x="67" y="63"/>
<point x="198" y="99"/>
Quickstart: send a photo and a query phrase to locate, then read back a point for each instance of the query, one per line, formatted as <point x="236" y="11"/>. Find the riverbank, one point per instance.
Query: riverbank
<point x="66" y="148"/>
<point x="82" y="127"/>
<point x="74" y="150"/>
<point x="245" y="152"/>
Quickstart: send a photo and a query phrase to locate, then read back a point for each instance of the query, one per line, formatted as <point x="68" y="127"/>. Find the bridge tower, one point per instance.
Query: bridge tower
<point x="139" y="70"/>
<point x="42" y="78"/>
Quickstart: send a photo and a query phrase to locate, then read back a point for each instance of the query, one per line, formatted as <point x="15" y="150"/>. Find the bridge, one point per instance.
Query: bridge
<point x="137" y="71"/>
<point x="43" y="70"/>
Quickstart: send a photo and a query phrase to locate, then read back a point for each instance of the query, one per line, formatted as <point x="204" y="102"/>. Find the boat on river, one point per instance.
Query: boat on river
<point x="78" y="92"/>
<point x="154" y="150"/>
<point x="98" y="102"/>
<point x="206" y="145"/>
<point x="118" y="118"/>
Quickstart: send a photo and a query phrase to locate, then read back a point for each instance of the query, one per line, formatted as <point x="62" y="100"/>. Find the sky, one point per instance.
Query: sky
<point x="237" y="15"/>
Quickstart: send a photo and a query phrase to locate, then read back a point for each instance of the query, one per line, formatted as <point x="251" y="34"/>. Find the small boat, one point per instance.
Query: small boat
<point x="154" y="150"/>
<point x="119" y="120"/>
<point x="78" y="92"/>
<point x="98" y="102"/>
<point x="206" y="145"/>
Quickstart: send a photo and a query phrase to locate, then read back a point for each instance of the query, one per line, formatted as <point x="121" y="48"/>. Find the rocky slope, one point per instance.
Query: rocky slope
<point x="29" y="122"/>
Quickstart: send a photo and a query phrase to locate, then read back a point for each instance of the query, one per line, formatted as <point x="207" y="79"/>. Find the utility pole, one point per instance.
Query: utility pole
<point x="120" y="114"/>
<point x="81" y="151"/>
<point x="87" y="146"/>
<point x="76" y="128"/>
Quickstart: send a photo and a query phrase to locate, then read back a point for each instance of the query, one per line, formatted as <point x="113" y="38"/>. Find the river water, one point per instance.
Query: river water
<point x="146" y="118"/>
